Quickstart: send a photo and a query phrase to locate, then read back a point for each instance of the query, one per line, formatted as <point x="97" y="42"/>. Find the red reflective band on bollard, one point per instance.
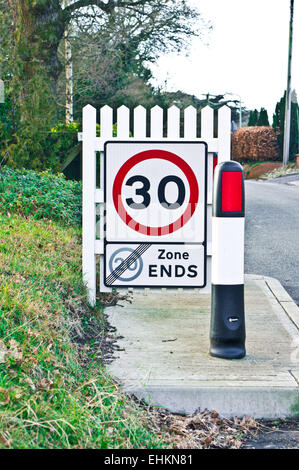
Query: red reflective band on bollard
<point x="231" y="198"/>
<point x="215" y="163"/>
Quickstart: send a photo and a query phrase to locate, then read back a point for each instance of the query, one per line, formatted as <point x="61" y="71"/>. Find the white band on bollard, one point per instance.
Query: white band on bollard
<point x="228" y="250"/>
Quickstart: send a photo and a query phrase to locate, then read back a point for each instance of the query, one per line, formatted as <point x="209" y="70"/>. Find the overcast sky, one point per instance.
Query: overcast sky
<point x="247" y="53"/>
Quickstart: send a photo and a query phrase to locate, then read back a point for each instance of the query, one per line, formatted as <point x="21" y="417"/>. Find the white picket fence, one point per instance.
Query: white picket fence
<point x="93" y="196"/>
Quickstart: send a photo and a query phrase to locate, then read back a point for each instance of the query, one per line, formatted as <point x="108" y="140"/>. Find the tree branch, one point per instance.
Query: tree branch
<point x="86" y="3"/>
<point x="106" y="7"/>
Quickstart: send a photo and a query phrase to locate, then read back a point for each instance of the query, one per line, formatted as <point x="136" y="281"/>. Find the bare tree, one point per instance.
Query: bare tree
<point x="40" y="26"/>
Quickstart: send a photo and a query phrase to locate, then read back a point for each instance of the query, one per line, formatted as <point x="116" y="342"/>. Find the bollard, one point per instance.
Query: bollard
<point x="227" y="328"/>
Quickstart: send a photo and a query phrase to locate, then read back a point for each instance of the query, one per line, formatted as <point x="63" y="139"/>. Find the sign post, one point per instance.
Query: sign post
<point x="155" y="200"/>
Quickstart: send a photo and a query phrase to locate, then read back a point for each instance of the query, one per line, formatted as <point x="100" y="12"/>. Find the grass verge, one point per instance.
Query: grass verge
<point x="54" y="392"/>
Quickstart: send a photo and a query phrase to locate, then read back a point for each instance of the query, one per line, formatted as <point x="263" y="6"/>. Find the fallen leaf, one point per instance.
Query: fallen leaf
<point x="243" y="422"/>
<point x="208" y="440"/>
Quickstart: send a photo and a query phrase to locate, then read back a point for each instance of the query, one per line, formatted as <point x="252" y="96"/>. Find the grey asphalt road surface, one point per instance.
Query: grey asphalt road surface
<point x="272" y="231"/>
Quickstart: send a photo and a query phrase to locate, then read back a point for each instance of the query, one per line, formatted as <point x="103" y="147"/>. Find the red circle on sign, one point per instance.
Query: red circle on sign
<point x="147" y="155"/>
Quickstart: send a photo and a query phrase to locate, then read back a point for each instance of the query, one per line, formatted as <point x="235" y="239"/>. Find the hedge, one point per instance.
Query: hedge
<point x="257" y="143"/>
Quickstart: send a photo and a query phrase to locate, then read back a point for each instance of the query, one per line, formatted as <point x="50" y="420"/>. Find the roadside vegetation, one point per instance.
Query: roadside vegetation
<point x="268" y="170"/>
<point x="40" y="195"/>
<point x="54" y="392"/>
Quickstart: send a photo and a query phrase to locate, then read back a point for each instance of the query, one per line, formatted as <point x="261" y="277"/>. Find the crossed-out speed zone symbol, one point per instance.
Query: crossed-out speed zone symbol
<point x="133" y="270"/>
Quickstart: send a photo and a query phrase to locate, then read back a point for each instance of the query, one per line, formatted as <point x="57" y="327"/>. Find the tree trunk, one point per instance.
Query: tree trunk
<point x="39" y="29"/>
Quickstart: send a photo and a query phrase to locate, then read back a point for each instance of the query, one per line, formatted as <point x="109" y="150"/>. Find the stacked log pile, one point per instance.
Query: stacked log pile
<point x="258" y="143"/>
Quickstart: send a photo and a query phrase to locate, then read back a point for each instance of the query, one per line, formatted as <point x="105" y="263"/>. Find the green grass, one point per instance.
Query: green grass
<point x="54" y="393"/>
<point x="41" y="195"/>
<point x="295" y="408"/>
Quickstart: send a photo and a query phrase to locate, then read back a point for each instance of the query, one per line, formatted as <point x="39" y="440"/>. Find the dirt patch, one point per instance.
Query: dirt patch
<point x="254" y="172"/>
<point x="283" y="434"/>
<point x="91" y="334"/>
<point x="208" y="430"/>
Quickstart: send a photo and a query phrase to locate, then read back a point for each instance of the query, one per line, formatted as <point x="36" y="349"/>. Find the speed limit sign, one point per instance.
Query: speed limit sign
<point x="155" y="227"/>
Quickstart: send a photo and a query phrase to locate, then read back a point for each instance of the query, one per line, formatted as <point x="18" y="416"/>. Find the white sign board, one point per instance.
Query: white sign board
<point x="155" y="226"/>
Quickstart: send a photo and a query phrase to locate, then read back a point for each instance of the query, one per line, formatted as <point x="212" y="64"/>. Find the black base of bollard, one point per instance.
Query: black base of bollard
<point x="227" y="329"/>
<point x="227" y="351"/>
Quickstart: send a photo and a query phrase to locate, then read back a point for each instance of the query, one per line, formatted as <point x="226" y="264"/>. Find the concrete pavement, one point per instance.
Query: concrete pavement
<point x="286" y="179"/>
<point x="164" y="359"/>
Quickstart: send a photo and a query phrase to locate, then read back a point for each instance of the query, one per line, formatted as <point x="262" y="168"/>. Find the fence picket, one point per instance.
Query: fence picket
<point x="157" y="122"/>
<point x="140" y="122"/>
<point x="207" y="123"/>
<point x="123" y="122"/>
<point x="173" y="122"/>
<point x="190" y="123"/>
<point x="88" y="202"/>
<point x="224" y="134"/>
<point x="106" y="122"/>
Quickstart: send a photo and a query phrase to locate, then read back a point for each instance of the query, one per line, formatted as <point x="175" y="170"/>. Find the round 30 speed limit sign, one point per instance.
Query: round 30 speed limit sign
<point x="155" y="226"/>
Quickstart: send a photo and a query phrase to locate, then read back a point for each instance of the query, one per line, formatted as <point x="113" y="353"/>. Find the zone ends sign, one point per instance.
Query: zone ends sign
<point x="155" y="226"/>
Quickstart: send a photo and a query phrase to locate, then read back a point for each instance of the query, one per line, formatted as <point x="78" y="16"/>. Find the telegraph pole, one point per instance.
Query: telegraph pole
<point x="68" y="73"/>
<point x="287" y="120"/>
<point x="2" y="97"/>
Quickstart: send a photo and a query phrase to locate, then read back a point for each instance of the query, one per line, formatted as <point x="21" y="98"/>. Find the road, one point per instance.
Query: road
<point x="272" y="231"/>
